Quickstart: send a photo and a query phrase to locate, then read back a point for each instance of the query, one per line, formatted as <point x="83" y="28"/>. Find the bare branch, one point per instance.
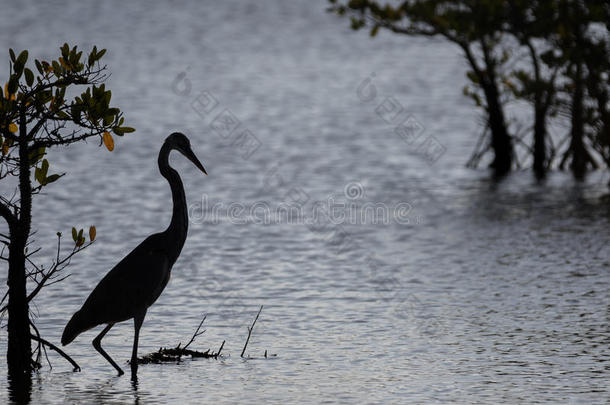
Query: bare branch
<point x="64" y="141"/>
<point x="250" y="328"/>
<point x="8" y="216"/>
<point x="197" y="333"/>
<point x="220" y="350"/>
<point x="40" y="348"/>
<point x="49" y="277"/>
<point x="4" y="298"/>
<point x="56" y="267"/>
<point x="56" y="349"/>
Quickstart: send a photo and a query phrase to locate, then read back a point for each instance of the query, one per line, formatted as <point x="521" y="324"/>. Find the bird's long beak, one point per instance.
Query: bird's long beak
<point x="190" y="155"/>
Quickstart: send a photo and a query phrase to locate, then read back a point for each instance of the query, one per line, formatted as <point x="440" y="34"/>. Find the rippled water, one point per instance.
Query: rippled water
<point x="480" y="292"/>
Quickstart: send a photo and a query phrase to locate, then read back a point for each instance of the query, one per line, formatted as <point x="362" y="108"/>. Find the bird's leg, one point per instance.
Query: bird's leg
<point x="97" y="343"/>
<point x="137" y="323"/>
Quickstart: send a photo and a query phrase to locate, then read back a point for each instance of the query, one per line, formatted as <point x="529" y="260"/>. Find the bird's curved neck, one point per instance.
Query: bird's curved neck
<point x="178" y="227"/>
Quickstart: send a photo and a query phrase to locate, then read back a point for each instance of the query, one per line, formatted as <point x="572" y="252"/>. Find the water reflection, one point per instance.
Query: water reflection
<point x="19" y="387"/>
<point x="134" y="385"/>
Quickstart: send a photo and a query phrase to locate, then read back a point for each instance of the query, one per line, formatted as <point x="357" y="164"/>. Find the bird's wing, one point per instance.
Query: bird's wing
<point x="132" y="285"/>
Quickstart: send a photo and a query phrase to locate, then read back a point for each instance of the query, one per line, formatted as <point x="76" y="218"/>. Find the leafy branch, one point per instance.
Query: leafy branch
<point x="46" y="277"/>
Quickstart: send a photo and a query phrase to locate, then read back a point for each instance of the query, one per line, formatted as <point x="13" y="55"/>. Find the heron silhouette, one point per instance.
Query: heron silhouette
<point x="136" y="282"/>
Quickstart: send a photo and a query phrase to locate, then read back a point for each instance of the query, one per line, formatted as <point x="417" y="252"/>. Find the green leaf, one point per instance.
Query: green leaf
<point x="18" y="68"/>
<point x="75" y="111"/>
<point x="65" y="51"/>
<point x="56" y="68"/>
<point x="51" y="178"/>
<point x="22" y="58"/>
<point x="38" y="66"/>
<point x="100" y="54"/>
<point x="472" y="76"/>
<point x="74" y="234"/>
<point x="12" y="54"/>
<point x="91" y="58"/>
<point x="36" y="155"/>
<point x="63" y="115"/>
<point x="357" y="23"/>
<point x="29" y="77"/>
<point x="44" y="168"/>
<point x="37" y="175"/>
<point x="13" y="84"/>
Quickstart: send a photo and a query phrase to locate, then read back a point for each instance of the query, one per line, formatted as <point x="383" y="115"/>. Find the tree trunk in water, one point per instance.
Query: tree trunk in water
<point x="500" y="140"/>
<point x="19" y="354"/>
<point x="540" y="157"/>
<point x="604" y="131"/>
<point x="577" y="147"/>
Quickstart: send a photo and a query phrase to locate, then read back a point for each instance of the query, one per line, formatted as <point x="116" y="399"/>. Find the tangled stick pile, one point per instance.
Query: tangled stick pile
<point x="175" y="354"/>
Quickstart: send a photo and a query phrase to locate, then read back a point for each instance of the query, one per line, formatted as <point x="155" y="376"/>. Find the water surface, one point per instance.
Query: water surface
<point x="482" y="292"/>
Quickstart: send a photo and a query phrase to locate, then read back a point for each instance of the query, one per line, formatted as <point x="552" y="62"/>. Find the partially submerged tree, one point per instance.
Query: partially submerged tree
<point x="530" y="21"/>
<point x="35" y="115"/>
<point x="566" y="77"/>
<point x="565" y="72"/>
<point x="583" y="59"/>
<point x="598" y="87"/>
<point x="475" y="27"/>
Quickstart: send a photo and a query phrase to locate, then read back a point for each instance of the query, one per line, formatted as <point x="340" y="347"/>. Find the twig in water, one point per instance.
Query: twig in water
<point x="174" y="354"/>
<point x="250" y="328"/>
<point x="39" y="349"/>
<point x="219" y="350"/>
<point x="57" y="349"/>
<point x="197" y="333"/>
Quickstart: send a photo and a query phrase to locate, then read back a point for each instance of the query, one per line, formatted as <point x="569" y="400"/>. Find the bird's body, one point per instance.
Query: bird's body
<point x="136" y="282"/>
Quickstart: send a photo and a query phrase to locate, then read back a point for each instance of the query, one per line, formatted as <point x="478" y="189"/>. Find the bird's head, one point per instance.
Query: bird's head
<point x="181" y="143"/>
